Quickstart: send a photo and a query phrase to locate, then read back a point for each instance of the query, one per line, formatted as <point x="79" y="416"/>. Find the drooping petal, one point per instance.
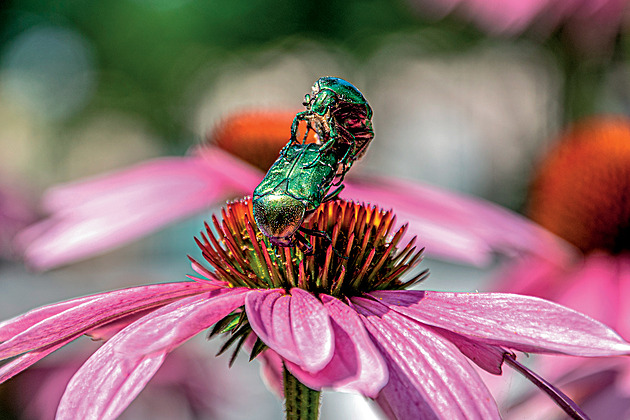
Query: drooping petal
<point x="429" y="378"/>
<point x="598" y="275"/>
<point x="92" y="216"/>
<point x="296" y="326"/>
<point x="13" y="326"/>
<point x="457" y="227"/>
<point x="486" y="356"/>
<point x="17" y="365"/>
<point x="48" y="324"/>
<point x="110" y="329"/>
<point x="117" y="372"/>
<point x="518" y="322"/>
<point x="356" y="366"/>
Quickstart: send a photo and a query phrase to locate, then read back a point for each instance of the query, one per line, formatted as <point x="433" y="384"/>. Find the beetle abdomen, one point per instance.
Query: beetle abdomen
<point x="278" y="216"/>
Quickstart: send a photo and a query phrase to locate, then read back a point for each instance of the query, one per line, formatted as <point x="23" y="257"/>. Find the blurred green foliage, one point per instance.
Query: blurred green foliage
<point x="147" y="50"/>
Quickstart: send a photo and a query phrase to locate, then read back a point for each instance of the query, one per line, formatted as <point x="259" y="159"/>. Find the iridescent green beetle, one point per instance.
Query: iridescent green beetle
<point x="341" y="117"/>
<point x="295" y="186"/>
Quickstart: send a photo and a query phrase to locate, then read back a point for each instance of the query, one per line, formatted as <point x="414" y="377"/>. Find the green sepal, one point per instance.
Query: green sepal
<point x="258" y="348"/>
<point x="227" y="324"/>
<point x="237" y="349"/>
<point x="235" y="336"/>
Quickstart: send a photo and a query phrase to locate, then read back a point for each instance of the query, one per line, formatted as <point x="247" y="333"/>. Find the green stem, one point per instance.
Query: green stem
<point x="300" y="401"/>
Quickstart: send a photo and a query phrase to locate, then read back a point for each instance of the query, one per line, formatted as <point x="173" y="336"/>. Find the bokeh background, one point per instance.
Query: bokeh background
<point x="466" y="95"/>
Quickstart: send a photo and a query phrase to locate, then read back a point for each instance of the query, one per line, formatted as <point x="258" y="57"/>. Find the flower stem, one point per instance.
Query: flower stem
<point x="300" y="401"/>
<point x="559" y="397"/>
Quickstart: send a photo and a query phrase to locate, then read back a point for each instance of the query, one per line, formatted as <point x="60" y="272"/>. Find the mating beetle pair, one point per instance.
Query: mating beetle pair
<point x="298" y="182"/>
<point x="341" y="118"/>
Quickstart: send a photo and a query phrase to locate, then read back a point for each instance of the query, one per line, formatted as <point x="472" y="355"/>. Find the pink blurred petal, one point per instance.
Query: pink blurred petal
<point x="429" y="378"/>
<point x="591" y="24"/>
<point x="47" y="325"/>
<point x="117" y="372"/>
<point x="271" y="370"/>
<point x="242" y="175"/>
<point x="522" y="323"/>
<point x="623" y="283"/>
<point x="598" y="276"/>
<point x="296" y="326"/>
<point x="526" y="275"/>
<point x="457" y="227"/>
<point x="90" y="217"/>
<point x="356" y="366"/>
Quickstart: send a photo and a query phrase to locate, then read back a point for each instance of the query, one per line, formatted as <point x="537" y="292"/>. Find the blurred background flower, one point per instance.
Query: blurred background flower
<point x="465" y="94"/>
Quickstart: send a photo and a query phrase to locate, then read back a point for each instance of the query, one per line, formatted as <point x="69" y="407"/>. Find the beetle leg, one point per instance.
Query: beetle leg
<point x="309" y="127"/>
<point x="303" y="243"/>
<point x="333" y="195"/>
<point x="345" y="168"/>
<point x="320" y="234"/>
<point x="332" y="137"/>
<point x="300" y="116"/>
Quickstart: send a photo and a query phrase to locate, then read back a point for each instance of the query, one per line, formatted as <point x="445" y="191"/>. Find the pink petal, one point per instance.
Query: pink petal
<point x="93" y="216"/>
<point x="10" y="327"/>
<point x="428" y="377"/>
<point x="458" y="227"/>
<point x="296" y="326"/>
<point x="486" y="356"/>
<point x="49" y="324"/>
<point x="597" y="275"/>
<point x="110" y="329"/>
<point x="356" y="366"/>
<point x="522" y="323"/>
<point x="17" y="365"/>
<point x="117" y="372"/>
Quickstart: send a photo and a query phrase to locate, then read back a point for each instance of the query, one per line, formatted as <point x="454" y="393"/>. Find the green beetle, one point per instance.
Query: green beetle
<point x="341" y="117"/>
<point x="294" y="187"/>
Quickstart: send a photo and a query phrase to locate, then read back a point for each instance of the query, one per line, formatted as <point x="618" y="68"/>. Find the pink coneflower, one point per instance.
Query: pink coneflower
<point x="92" y="216"/>
<point x="581" y="192"/>
<point x="338" y="319"/>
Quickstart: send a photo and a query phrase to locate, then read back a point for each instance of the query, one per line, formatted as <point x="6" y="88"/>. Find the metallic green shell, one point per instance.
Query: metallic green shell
<point x="341" y="117"/>
<point x="327" y="90"/>
<point x="296" y="183"/>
